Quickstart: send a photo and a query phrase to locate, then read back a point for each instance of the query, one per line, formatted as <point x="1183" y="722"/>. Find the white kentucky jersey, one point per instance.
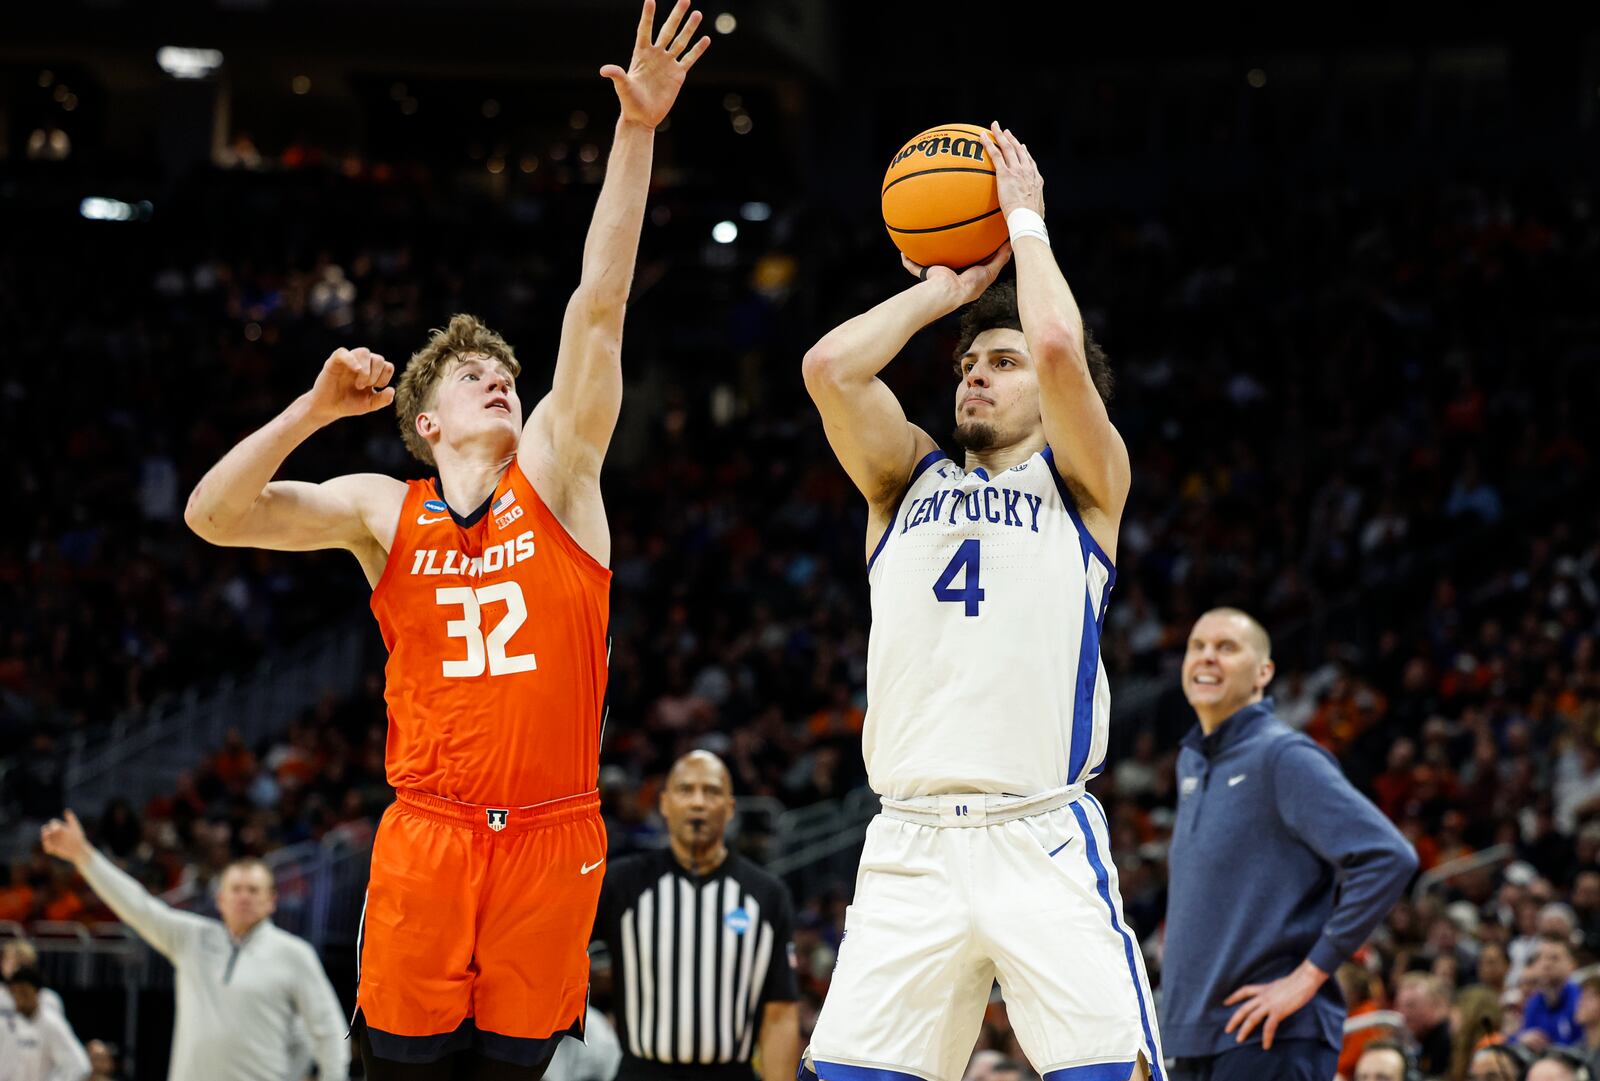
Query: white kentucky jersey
<point x="983" y="667"/>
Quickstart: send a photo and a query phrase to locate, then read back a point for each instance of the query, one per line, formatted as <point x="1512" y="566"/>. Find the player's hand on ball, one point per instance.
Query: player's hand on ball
<point x="969" y="284"/>
<point x="651" y="84"/>
<point x="64" y="839"/>
<point x="352" y="382"/>
<point x="1016" y="174"/>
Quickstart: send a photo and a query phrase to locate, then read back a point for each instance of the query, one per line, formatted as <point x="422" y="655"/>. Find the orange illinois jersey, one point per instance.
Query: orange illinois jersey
<point x="496" y="631"/>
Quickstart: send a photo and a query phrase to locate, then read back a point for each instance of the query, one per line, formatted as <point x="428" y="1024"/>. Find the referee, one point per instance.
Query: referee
<point x="1278" y="871"/>
<point x="700" y="941"/>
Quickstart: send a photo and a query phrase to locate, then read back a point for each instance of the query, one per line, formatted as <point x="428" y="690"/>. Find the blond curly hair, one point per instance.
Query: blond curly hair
<point x="464" y="336"/>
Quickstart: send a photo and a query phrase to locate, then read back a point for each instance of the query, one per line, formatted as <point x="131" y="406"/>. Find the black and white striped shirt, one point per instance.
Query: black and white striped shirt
<point x="694" y="958"/>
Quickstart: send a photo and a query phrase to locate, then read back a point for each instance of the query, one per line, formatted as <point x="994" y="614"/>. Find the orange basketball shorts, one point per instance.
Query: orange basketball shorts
<point x="476" y="926"/>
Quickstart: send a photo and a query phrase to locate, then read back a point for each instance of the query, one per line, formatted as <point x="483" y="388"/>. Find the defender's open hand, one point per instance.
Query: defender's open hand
<point x="651" y="84"/>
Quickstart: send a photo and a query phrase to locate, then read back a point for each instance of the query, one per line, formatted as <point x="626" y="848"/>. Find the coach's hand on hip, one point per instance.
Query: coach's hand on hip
<point x="1272" y="1002"/>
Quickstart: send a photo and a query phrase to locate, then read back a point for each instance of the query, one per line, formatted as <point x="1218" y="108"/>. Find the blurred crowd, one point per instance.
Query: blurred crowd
<point x="1362" y="418"/>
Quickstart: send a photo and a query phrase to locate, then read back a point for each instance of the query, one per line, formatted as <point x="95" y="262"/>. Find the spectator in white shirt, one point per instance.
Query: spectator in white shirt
<point x="36" y="1044"/>
<point x="17" y="954"/>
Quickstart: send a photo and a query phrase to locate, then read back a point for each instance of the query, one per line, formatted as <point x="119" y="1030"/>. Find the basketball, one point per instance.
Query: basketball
<point x="940" y="203"/>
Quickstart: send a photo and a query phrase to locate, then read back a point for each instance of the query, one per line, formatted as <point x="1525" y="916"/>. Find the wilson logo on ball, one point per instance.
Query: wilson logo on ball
<point x="960" y="148"/>
<point x="940" y="203"/>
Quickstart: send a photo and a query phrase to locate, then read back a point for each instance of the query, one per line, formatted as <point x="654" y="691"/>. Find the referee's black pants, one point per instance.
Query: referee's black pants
<point x="1289" y="1060"/>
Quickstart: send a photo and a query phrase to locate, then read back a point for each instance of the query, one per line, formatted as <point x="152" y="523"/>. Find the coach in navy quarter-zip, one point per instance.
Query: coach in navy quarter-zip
<point x="1278" y="871"/>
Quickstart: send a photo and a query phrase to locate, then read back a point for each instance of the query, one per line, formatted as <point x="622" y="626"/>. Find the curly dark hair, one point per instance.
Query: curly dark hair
<point x="996" y="309"/>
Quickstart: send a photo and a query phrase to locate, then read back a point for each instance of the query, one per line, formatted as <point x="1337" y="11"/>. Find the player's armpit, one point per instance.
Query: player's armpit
<point x="353" y="512"/>
<point x="1090" y="457"/>
<point x="572" y="426"/>
<point x="564" y="468"/>
<point x="865" y="424"/>
<point x="867" y="429"/>
<point x="1090" y="453"/>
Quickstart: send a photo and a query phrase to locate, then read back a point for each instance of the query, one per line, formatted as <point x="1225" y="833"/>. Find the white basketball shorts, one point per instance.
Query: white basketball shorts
<point x="942" y="911"/>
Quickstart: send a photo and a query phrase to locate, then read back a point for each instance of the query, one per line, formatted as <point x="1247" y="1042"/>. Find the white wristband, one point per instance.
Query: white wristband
<point x="1023" y="222"/>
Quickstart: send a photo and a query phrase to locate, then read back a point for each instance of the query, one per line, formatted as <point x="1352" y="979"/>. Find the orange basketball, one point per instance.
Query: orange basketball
<point x="940" y="204"/>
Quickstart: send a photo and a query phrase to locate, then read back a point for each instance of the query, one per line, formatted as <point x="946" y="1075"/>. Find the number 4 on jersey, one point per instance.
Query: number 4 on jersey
<point x="971" y="594"/>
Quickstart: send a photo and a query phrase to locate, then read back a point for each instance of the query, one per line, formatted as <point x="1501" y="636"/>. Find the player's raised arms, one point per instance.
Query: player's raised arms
<point x="238" y="504"/>
<point x="865" y="424"/>
<point x="566" y="438"/>
<point x="1089" y="453"/>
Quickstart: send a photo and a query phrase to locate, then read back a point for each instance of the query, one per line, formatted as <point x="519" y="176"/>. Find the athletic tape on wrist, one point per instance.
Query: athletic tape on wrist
<point x="1023" y="222"/>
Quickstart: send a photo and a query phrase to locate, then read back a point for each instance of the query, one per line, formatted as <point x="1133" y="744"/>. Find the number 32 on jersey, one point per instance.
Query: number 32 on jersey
<point x="485" y="651"/>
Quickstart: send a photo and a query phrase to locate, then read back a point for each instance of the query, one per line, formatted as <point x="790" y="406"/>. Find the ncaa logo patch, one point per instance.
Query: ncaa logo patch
<point x="437" y="506"/>
<point x="737" y="921"/>
<point x="497" y="818"/>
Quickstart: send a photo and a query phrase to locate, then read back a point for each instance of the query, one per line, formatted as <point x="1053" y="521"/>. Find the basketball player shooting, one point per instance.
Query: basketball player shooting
<point x="491" y="589"/>
<point x="988" y="703"/>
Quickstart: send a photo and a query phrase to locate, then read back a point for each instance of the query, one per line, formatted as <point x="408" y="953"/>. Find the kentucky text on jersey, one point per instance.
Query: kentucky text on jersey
<point x="449" y="561"/>
<point x="983" y="667"/>
<point x="1000" y="506"/>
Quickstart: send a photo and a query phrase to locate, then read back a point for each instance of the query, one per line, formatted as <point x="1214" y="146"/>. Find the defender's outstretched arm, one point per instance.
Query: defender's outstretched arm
<point x="572" y="427"/>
